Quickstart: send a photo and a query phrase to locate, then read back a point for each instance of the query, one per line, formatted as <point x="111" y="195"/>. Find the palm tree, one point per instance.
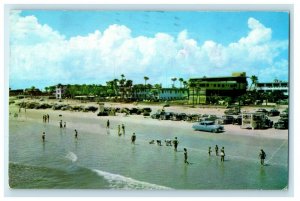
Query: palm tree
<point x="46" y="89"/>
<point x="254" y="81"/>
<point x="115" y="84"/>
<point x="122" y="82"/>
<point x="146" y="78"/>
<point x="128" y="85"/>
<point x="174" y="79"/>
<point x="180" y="80"/>
<point x="185" y="83"/>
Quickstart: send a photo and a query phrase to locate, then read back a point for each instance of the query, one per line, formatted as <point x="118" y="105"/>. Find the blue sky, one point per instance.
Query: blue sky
<point x="50" y="47"/>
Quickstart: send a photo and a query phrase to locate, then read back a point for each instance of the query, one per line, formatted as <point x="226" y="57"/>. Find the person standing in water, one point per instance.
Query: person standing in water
<point x="76" y="134"/>
<point x="60" y="124"/>
<point x="209" y="151"/>
<point x="185" y="156"/>
<point x="119" y="130"/>
<point x="175" y="142"/>
<point x="43" y="136"/>
<point x="123" y="129"/>
<point x="262" y="156"/>
<point x="107" y="124"/>
<point x="65" y="124"/>
<point x="133" y="138"/>
<point x="222" y="154"/>
<point x="217" y="150"/>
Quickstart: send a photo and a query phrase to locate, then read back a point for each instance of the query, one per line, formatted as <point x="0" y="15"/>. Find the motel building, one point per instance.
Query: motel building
<point x="276" y="85"/>
<point x="161" y="94"/>
<point x="201" y="89"/>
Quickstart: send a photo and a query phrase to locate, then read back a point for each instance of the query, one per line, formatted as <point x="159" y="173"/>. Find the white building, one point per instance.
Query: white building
<point x="59" y="91"/>
<point x="161" y="94"/>
<point x="273" y="86"/>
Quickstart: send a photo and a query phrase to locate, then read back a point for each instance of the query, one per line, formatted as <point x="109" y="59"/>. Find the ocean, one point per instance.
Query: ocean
<point x="100" y="159"/>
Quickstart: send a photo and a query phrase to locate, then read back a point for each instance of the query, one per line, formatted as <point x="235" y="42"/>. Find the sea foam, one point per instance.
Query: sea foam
<point x="121" y="182"/>
<point x="71" y="156"/>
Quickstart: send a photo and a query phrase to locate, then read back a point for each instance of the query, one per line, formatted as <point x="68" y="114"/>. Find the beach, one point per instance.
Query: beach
<point x="112" y="162"/>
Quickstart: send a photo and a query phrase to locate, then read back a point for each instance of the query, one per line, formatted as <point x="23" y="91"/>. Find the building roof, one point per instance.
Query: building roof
<point x="218" y="78"/>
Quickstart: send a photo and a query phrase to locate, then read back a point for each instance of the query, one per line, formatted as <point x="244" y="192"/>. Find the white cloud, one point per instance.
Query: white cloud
<point x="40" y="53"/>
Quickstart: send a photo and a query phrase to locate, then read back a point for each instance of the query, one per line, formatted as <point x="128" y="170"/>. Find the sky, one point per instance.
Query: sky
<point x="92" y="47"/>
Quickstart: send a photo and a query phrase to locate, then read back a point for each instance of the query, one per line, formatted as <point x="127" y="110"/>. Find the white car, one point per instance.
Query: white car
<point x="209" y="126"/>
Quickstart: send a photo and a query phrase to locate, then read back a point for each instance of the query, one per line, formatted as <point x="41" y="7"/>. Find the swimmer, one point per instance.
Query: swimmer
<point x="43" y="136"/>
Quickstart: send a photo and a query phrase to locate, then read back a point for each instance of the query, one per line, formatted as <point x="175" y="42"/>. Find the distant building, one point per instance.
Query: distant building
<point x="16" y="92"/>
<point x="276" y="85"/>
<point x="60" y="91"/>
<point x="201" y="90"/>
<point x="172" y="94"/>
<point x="161" y="94"/>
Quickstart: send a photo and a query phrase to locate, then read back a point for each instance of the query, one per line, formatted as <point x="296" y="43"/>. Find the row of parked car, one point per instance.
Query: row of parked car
<point x="226" y="119"/>
<point x="237" y="111"/>
<point x="128" y="111"/>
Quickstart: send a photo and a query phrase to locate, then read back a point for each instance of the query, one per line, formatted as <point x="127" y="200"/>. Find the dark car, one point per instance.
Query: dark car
<point x="157" y="115"/>
<point x="179" y="117"/>
<point x="282" y="123"/>
<point x="227" y="119"/>
<point x="166" y="116"/>
<point x="273" y="112"/>
<point x="262" y="110"/>
<point x="134" y="110"/>
<point x="238" y="120"/>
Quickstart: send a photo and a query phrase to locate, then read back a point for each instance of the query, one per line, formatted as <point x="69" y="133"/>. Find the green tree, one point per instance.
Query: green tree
<point x="174" y="80"/>
<point x="181" y="81"/>
<point x="254" y="81"/>
<point x="185" y="84"/>
<point x="146" y="78"/>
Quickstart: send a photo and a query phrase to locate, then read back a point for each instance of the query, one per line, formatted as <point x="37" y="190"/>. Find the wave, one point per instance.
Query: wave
<point x="71" y="156"/>
<point x="121" y="182"/>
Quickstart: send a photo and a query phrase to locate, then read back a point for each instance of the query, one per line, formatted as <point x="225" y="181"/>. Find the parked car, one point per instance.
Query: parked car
<point x="166" y="116"/>
<point x="134" y="110"/>
<point x="179" y="117"/>
<point x="208" y="126"/>
<point x="285" y="114"/>
<point x="273" y="112"/>
<point x="238" y="120"/>
<point x="262" y="110"/>
<point x="283" y="123"/>
<point x="146" y="111"/>
<point x="227" y="119"/>
<point x="157" y="114"/>
<point x="234" y="111"/>
<point x="192" y="117"/>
